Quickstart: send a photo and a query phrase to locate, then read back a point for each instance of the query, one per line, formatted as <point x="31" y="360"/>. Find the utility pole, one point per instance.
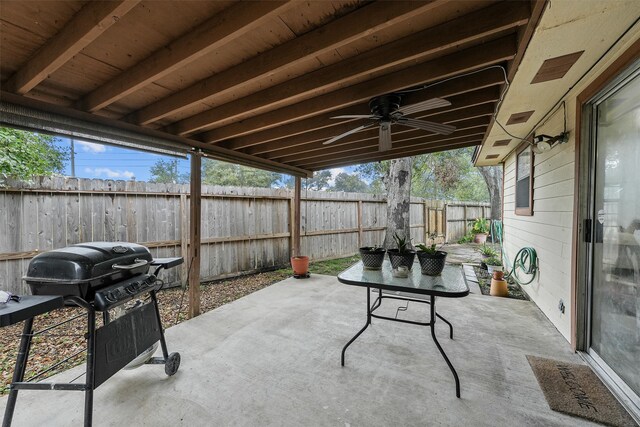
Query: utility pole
<point x="73" y="159"/>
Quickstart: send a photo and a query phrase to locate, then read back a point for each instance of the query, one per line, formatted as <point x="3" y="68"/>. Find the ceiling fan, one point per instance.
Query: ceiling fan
<point x="386" y="110"/>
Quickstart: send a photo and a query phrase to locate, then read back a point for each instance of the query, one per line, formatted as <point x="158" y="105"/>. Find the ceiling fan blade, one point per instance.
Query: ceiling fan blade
<point x="347" y="133"/>
<point x="384" y="143"/>
<point x="356" y="116"/>
<point x="426" y="125"/>
<point x="424" y="105"/>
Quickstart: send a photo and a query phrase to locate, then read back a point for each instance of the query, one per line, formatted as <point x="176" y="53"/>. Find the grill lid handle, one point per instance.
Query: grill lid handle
<point x="136" y="263"/>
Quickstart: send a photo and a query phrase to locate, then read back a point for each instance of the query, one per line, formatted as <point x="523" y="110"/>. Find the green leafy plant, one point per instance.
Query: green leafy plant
<point x="403" y="243"/>
<point x="480" y="226"/>
<point x="431" y="249"/>
<point x="493" y="261"/>
<point x="487" y="251"/>
<point x="467" y="238"/>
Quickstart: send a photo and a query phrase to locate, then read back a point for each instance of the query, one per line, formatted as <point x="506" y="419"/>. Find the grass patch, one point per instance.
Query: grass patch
<point x="333" y="267"/>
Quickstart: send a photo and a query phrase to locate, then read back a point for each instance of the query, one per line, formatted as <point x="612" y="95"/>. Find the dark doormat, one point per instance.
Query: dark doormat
<point x="576" y="390"/>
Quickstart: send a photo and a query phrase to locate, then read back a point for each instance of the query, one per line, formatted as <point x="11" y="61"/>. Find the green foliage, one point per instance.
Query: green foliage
<point x="166" y="172"/>
<point x="216" y="172"/>
<point x="402" y="243"/>
<point x="445" y="175"/>
<point x="319" y="181"/>
<point x="24" y="155"/>
<point x="431" y="249"/>
<point x="349" y="183"/>
<point x="493" y="261"/>
<point x="487" y="251"/>
<point x="467" y="238"/>
<point x="480" y="226"/>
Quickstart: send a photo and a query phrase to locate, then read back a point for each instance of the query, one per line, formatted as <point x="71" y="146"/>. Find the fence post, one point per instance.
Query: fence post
<point x="466" y="220"/>
<point x="360" y="240"/>
<point x="426" y="220"/>
<point x="445" y="224"/>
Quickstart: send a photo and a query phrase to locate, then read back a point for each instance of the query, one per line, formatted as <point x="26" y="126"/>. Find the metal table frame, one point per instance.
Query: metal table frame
<point x="403" y="288"/>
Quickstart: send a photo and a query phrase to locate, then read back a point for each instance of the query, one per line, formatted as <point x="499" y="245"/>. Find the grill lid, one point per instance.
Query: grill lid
<point x="89" y="261"/>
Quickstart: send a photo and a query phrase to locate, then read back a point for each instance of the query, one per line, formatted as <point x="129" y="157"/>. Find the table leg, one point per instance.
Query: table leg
<point x="447" y="322"/>
<point x="365" y="326"/>
<point x="18" y="373"/>
<point x="444" y="355"/>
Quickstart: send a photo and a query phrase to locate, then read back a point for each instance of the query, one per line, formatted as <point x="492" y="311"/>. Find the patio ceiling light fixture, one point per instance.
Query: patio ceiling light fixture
<point x="544" y="143"/>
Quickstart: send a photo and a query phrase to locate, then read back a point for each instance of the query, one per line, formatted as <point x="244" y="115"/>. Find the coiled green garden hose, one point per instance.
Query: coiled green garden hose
<point x="526" y="259"/>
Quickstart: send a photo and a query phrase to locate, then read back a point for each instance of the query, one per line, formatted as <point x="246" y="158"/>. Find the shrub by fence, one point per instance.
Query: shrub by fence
<point x="243" y="229"/>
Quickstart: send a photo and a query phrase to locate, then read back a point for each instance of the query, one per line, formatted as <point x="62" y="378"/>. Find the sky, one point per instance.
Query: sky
<point x="110" y="162"/>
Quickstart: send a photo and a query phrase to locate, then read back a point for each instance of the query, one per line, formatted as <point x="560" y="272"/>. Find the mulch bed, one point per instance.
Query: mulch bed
<point x="484" y="280"/>
<point x="69" y="338"/>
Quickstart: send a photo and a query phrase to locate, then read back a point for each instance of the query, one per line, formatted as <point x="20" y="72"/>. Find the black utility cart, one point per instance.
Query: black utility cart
<point x="99" y="277"/>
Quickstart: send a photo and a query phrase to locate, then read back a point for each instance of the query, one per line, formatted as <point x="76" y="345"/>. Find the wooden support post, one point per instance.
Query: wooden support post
<point x="360" y="233"/>
<point x="194" y="235"/>
<point x="295" y="232"/>
<point x="184" y="239"/>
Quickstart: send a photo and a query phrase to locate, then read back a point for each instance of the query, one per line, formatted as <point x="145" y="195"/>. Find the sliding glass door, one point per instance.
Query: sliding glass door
<point x="614" y="312"/>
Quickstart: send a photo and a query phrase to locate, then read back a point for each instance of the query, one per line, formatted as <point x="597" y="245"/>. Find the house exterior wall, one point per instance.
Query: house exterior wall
<point x="550" y="230"/>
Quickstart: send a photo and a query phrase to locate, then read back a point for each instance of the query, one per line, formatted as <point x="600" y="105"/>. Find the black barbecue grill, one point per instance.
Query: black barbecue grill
<point x="100" y="277"/>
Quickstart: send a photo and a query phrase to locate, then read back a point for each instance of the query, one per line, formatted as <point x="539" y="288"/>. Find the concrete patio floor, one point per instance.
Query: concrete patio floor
<point x="273" y="358"/>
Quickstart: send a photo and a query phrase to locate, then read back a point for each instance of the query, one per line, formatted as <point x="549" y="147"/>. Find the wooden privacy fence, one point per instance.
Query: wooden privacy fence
<point x="243" y="229"/>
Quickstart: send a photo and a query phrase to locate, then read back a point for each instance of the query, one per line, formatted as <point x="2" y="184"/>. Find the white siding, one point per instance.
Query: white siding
<point x="548" y="231"/>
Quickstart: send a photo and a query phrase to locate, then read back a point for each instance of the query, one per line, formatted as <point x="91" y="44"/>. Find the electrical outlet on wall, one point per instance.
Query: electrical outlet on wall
<point x="561" y="306"/>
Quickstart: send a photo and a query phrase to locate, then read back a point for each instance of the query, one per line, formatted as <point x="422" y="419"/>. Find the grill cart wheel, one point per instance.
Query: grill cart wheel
<point x="172" y="364"/>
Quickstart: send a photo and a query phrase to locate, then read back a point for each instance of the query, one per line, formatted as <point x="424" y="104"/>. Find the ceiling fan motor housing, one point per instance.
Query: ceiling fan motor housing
<point x="384" y="105"/>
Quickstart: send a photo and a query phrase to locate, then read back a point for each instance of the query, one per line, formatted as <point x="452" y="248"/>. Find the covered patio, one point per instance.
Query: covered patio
<point x="273" y="358"/>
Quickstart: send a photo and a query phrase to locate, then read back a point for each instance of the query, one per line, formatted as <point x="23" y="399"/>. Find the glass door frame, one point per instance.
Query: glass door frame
<point x="586" y="158"/>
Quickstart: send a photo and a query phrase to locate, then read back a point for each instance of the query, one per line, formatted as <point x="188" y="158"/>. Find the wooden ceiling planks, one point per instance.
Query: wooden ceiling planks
<point x="262" y="79"/>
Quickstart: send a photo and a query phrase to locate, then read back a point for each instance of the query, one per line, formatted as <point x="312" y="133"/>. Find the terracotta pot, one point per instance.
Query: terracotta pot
<point x="300" y="265"/>
<point x="480" y="238"/>
<point x="432" y="265"/>
<point x="499" y="285"/>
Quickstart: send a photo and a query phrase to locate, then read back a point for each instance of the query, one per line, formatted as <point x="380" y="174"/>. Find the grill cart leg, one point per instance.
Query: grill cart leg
<point x="171" y="361"/>
<point x="18" y="373"/>
<point x="91" y="349"/>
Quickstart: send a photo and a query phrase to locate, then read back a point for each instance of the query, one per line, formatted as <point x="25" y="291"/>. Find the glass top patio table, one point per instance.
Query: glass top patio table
<point x="449" y="284"/>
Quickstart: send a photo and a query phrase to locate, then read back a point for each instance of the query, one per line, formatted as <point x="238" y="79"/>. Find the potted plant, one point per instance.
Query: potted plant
<point x="480" y="230"/>
<point x="300" y="265"/>
<point x="403" y="254"/>
<point x="493" y="264"/>
<point x="487" y="251"/>
<point x="372" y="257"/>
<point x="432" y="260"/>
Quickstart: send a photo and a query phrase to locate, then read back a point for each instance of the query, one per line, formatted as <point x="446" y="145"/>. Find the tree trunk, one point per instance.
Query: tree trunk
<point x="398" y="184"/>
<point x="493" y="177"/>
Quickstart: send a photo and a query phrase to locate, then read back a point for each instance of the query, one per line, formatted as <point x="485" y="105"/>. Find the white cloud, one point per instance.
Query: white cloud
<point x="109" y="173"/>
<point x="90" y="147"/>
<point x="334" y="173"/>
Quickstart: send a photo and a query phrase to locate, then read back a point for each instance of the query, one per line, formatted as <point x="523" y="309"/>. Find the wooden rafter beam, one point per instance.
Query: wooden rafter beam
<point x="403" y="140"/>
<point x="413" y="48"/>
<point x="464" y="106"/>
<point x="359" y="23"/>
<point x="84" y="27"/>
<point x="231" y="23"/>
<point x="388" y="155"/>
<point x="270" y="139"/>
<point x="475" y="58"/>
